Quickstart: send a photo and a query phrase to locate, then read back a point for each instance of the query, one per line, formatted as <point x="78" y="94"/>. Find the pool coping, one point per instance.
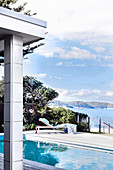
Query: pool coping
<point x="30" y="135"/>
<point x="35" y="137"/>
<point x="28" y="165"/>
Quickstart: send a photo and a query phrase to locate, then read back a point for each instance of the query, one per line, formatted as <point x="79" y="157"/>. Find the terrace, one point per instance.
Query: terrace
<point x="23" y="31"/>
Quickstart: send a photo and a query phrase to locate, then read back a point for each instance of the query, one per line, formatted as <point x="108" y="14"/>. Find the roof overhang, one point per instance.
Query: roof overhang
<point x="15" y="23"/>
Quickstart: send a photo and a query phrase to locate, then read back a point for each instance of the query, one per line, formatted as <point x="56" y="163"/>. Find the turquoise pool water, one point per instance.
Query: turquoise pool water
<point x="64" y="157"/>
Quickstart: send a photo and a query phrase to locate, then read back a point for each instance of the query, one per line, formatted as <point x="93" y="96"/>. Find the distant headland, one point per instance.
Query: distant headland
<point x="82" y="104"/>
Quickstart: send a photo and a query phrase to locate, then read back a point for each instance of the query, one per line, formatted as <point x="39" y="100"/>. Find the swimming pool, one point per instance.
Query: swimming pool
<point x="69" y="158"/>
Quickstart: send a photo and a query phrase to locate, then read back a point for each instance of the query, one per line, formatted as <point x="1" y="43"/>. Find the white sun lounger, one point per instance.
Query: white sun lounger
<point x="71" y="128"/>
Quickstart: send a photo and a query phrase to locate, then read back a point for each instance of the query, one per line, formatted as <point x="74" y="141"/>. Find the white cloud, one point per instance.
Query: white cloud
<point x="48" y="54"/>
<point x="109" y="93"/>
<point x="74" y="53"/>
<point x="70" y="64"/>
<point x="74" y="15"/>
<point x="106" y="65"/>
<point x="109" y="65"/>
<point x="59" y="64"/>
<point x="111" y="85"/>
<point x="97" y="41"/>
<point x="41" y="75"/>
<point x="89" y="22"/>
<point x="85" y="94"/>
<point x="55" y="77"/>
<point x="108" y="57"/>
<point x="99" y="49"/>
<point x="37" y="76"/>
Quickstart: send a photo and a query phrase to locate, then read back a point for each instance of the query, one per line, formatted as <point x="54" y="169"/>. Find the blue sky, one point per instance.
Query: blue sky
<point x="77" y="72"/>
<point x="77" y="58"/>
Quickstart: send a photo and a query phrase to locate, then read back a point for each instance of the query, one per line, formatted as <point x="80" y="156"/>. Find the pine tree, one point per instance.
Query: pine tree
<point x="9" y="4"/>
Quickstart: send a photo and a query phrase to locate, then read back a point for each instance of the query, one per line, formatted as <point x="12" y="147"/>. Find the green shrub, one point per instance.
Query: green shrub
<point x="83" y="127"/>
<point x="60" y="115"/>
<point x="29" y="126"/>
<point x="32" y="126"/>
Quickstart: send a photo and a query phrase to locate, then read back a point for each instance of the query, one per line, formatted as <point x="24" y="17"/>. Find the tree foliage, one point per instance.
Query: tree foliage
<point x="10" y="4"/>
<point x="43" y="96"/>
<point x="60" y="115"/>
<point x="29" y="85"/>
<point x="35" y="92"/>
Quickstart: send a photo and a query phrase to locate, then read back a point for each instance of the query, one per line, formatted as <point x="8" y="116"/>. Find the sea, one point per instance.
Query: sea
<point x="106" y="115"/>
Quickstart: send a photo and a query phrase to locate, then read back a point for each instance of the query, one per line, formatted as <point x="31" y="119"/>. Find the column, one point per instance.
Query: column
<point x="108" y="128"/>
<point x="78" y="118"/>
<point x="13" y="103"/>
<point x="100" y="125"/>
<point x="88" y="123"/>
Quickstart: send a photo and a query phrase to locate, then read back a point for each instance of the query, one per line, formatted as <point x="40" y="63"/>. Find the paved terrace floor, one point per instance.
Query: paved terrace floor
<point x="98" y="142"/>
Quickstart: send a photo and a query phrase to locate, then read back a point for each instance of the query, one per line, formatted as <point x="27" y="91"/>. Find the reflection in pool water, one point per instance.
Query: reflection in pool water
<point x="40" y="152"/>
<point x="64" y="157"/>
